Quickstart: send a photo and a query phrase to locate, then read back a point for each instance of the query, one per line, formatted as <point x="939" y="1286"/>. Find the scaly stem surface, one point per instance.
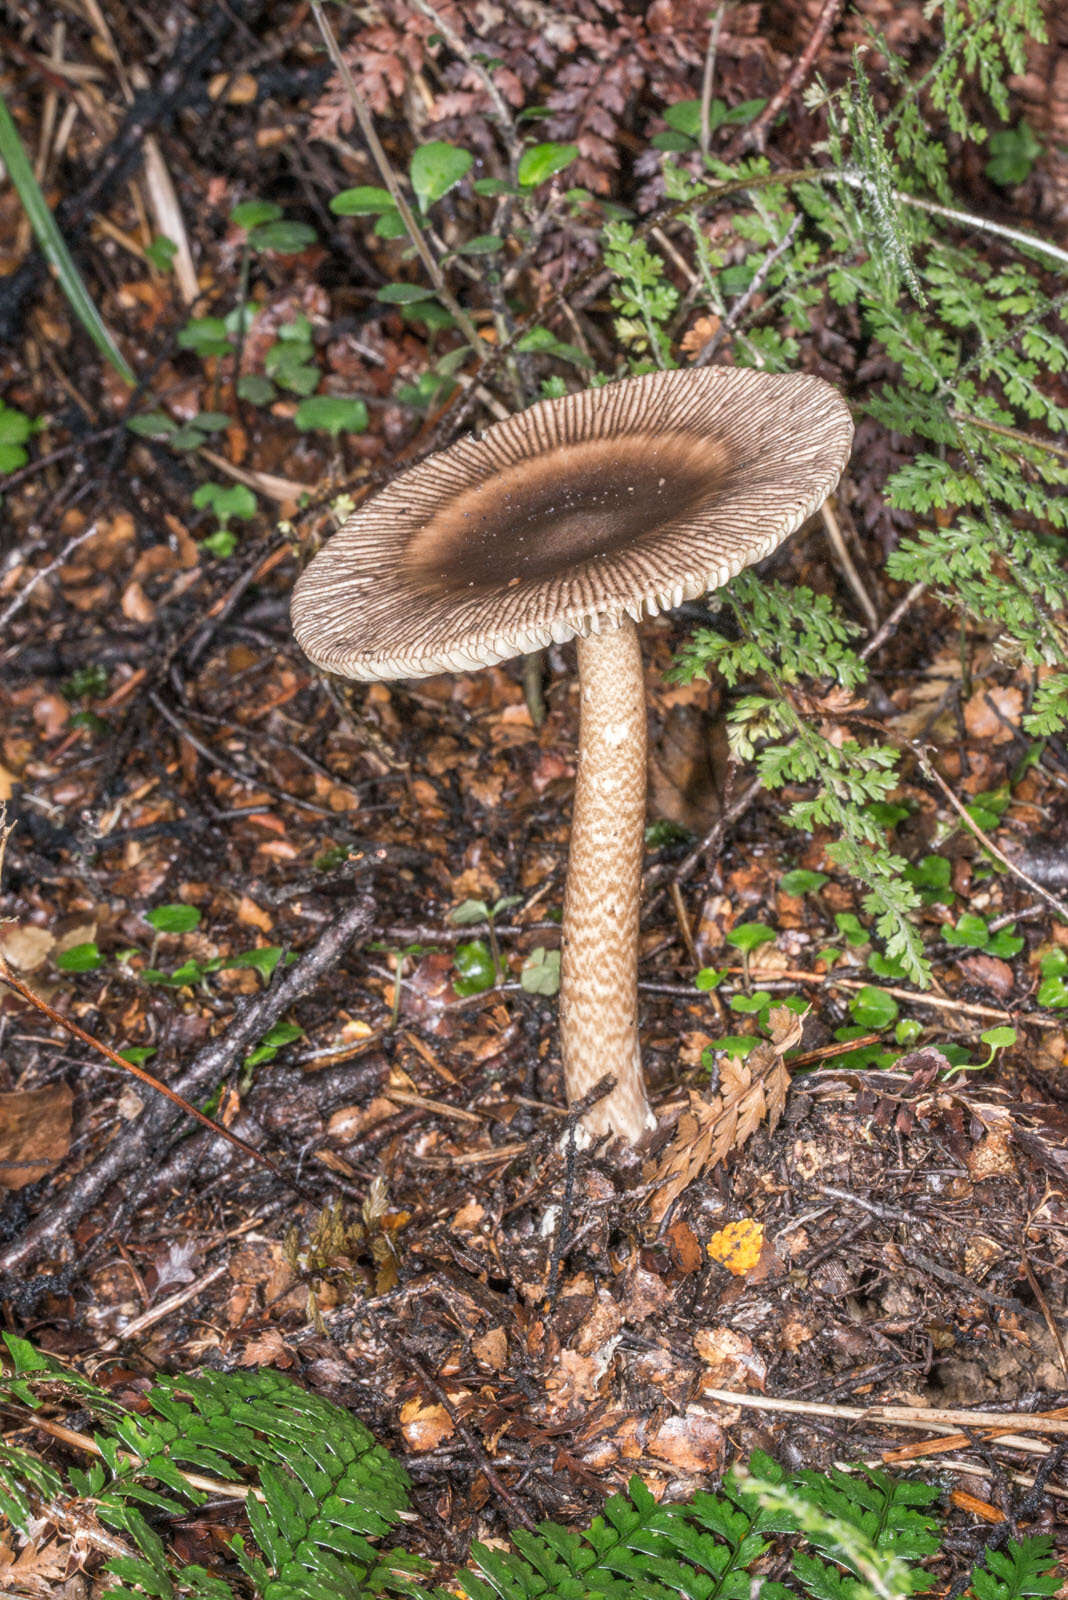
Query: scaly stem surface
<point x="599" y="972"/>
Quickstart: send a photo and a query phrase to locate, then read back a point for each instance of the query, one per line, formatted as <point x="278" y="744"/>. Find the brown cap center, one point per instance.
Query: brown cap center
<point x="579" y="502"/>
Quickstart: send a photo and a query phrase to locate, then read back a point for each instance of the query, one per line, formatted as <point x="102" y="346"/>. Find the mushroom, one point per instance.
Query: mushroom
<point x="576" y="519"/>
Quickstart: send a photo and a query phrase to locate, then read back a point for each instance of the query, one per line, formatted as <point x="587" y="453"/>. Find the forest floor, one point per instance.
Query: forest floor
<point x="192" y="804"/>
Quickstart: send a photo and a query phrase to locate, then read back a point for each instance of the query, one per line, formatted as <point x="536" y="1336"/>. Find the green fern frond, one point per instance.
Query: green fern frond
<point x="1024" y="1567"/>
<point x="325" y="1496"/>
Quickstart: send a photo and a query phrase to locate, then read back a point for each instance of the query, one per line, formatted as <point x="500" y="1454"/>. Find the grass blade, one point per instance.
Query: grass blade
<point x="52" y="243"/>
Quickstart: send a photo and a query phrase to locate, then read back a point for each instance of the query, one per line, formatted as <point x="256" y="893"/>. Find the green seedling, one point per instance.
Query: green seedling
<point x="1013" y="153"/>
<point x="684" y="122"/>
<point x="802" y="881"/>
<point x="873" y="1008"/>
<point x="332" y="414"/>
<point x="542" y="162"/>
<point x="1053" y="985"/>
<point x="226" y="500"/>
<point x="268" y="229"/>
<point x="540" y="972"/>
<point x="80" y="958"/>
<point x="470" y="912"/>
<point x="15" y="429"/>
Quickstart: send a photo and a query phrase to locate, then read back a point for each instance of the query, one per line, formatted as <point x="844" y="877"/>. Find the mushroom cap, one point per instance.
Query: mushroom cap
<point x="560" y="520"/>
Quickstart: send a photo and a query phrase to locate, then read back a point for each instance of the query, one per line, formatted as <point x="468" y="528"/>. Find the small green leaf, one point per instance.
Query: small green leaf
<point x="802" y="881"/>
<point x="543" y="161"/>
<point x="750" y="935"/>
<point x="668" y="139"/>
<point x="254" y="213"/>
<point x="474" y="963"/>
<point x="467" y="912"/>
<point x="173" y="918"/>
<point x="152" y="425"/>
<point x="15" y="429"/>
<point x="883" y="967"/>
<point x="364" y="201"/>
<point x="907" y="1030"/>
<point x="208" y="336"/>
<point x="1013" y="153"/>
<point x="226" y="500"/>
<point x="886" y="813"/>
<point x="685" y="117"/>
<point x="161" y="252"/>
<point x="255" y="388"/>
<point x="1053" y="992"/>
<point x="751" y="1005"/>
<point x="744" y="111"/>
<point x="282" y="1033"/>
<point x="138" y="1054"/>
<point x="221" y="543"/>
<point x="436" y="168"/>
<point x="709" y="978"/>
<point x="186" y="438"/>
<point x="540" y="973"/>
<point x="999" y="1038"/>
<point x="1006" y="943"/>
<point x="403" y="294"/>
<point x="851" y="929"/>
<point x="971" y="932"/>
<point x="733" y="1044"/>
<point x="873" y="1008"/>
<point x="492" y="186"/>
<point x="332" y="413"/>
<point x="80" y="958"/>
<point x="390" y="225"/>
<point x="287" y="238"/>
<point x="483" y="244"/>
<point x="263" y="959"/>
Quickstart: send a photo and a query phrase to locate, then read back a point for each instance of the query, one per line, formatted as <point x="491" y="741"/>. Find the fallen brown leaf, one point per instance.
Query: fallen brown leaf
<point x="35" y="1128"/>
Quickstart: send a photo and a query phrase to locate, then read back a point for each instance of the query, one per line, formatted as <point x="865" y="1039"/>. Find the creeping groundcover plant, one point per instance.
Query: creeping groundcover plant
<point x="323" y="1504"/>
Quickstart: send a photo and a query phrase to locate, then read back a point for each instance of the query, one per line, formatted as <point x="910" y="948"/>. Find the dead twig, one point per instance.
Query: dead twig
<point x="753" y="137"/>
<point x="925" y="1417"/>
<point x="840" y="550"/>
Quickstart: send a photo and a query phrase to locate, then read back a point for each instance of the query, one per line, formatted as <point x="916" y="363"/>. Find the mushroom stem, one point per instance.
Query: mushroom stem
<point x="599" y="971"/>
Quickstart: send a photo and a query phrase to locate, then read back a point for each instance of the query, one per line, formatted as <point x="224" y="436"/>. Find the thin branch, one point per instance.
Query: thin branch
<point x="890" y="623"/>
<point x="753" y="136"/>
<point x="927" y="1418"/>
<point x="709" y="78"/>
<point x="744" y="301"/>
<point x="845" y="561"/>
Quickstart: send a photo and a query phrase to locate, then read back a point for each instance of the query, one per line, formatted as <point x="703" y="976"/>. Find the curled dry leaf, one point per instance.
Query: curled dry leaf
<point x="751" y="1092"/>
